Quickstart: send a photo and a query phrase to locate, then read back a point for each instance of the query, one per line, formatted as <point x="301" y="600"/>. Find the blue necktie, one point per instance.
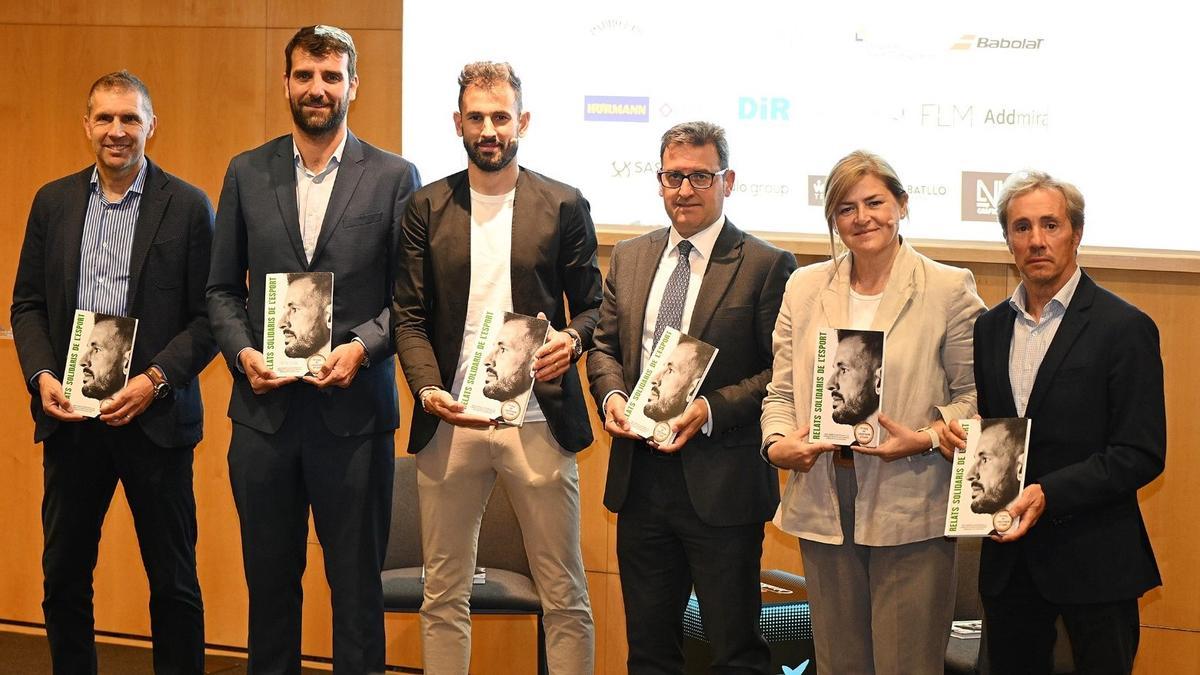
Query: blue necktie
<point x="670" y="310"/>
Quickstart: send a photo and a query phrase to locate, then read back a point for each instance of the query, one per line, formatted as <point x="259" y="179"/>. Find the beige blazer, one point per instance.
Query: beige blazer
<point x="927" y="313"/>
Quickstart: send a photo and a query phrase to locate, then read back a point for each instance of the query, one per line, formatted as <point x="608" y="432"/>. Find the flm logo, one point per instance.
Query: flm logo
<point x="980" y="193"/>
<point x="616" y="108"/>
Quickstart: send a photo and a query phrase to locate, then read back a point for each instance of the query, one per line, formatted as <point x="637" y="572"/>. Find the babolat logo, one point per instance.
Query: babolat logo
<point x="816" y="190"/>
<point x="986" y="42"/>
<point x="616" y="108"/>
<point x="980" y="193"/>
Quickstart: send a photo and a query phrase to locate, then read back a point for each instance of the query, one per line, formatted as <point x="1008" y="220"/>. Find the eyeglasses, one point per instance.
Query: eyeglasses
<point x="699" y="180"/>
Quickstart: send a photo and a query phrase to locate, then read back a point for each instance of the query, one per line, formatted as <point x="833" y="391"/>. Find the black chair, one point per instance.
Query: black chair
<point x="508" y="588"/>
<point x="969" y="656"/>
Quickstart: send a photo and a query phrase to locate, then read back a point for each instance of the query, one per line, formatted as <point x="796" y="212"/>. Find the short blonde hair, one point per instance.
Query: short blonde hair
<point x="845" y="175"/>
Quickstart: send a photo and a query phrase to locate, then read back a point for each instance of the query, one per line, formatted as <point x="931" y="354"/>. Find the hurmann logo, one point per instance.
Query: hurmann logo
<point x="967" y="42"/>
<point x="980" y="192"/>
<point x="616" y="108"/>
<point x="816" y="190"/>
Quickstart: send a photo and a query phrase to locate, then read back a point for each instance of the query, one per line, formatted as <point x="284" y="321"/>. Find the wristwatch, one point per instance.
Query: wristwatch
<point x="161" y="387"/>
<point x="576" y="344"/>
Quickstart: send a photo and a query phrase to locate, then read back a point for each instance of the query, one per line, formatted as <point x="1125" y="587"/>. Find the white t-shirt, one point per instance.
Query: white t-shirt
<point x="491" y="277"/>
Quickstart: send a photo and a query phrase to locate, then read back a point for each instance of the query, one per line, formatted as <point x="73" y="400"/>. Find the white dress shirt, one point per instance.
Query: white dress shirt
<point x="312" y="195"/>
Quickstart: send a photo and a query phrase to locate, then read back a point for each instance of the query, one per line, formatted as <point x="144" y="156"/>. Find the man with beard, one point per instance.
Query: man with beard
<point x="106" y="359"/>
<point x="307" y="314"/>
<point x="126" y="239"/>
<point x="507" y="364"/>
<point x="525" y="242"/>
<point x="995" y="475"/>
<point x="318" y="199"/>
<point x="674" y="380"/>
<point x="690" y="513"/>
<point x="854" y="383"/>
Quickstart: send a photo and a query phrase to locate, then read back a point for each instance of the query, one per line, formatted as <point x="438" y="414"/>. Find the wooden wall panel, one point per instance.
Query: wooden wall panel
<point x="226" y="13"/>
<point x="375" y="14"/>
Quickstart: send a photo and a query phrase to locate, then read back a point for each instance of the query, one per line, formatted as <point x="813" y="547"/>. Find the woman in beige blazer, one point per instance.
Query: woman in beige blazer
<point x="880" y="574"/>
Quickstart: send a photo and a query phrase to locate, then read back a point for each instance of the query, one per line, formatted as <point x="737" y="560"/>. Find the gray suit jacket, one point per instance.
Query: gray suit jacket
<point x="553" y="255"/>
<point x="168" y="264"/>
<point x="728" y="482"/>
<point x="258" y="231"/>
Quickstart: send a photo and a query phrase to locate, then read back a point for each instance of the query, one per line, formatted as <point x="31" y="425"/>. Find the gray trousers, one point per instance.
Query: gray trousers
<point x="879" y="610"/>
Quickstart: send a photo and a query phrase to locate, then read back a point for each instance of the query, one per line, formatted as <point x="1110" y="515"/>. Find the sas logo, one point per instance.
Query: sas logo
<point x="616" y="108"/>
<point x="984" y="42"/>
<point x="980" y="193"/>
<point x="816" y="190"/>
<point x="763" y="108"/>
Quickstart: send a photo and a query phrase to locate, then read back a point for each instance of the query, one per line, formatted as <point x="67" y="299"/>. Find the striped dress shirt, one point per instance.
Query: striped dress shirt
<point x="1031" y="337"/>
<point x="106" y="246"/>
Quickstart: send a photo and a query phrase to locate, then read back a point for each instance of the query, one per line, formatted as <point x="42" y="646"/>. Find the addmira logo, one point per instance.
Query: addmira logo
<point x="980" y="192"/>
<point x="616" y="108"/>
<point x="988" y="42"/>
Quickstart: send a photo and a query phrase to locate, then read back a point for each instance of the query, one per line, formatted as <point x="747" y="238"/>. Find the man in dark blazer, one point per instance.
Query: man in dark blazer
<point x="1084" y="366"/>
<point x="497" y="236"/>
<point x="318" y="199"/>
<point x="121" y="237"/>
<point x="691" y="512"/>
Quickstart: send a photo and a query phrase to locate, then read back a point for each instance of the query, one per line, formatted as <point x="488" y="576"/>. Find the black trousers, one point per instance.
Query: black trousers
<point x="664" y="549"/>
<point x="348" y="483"/>
<point x="82" y="463"/>
<point x="1020" y="632"/>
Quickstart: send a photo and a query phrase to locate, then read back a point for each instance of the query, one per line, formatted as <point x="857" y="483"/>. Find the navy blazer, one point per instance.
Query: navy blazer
<point x="1098" y="434"/>
<point x="553" y="255"/>
<point x="739" y="300"/>
<point x="168" y="265"/>
<point x="258" y="231"/>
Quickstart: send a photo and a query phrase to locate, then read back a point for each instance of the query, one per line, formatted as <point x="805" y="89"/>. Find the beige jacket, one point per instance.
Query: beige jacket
<point x="927" y="312"/>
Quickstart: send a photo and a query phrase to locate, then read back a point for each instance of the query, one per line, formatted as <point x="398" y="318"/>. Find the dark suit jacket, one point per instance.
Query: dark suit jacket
<point x="167" y="269"/>
<point x="258" y="231"/>
<point x="728" y="482"/>
<point x="553" y="253"/>
<point x="1098" y="434"/>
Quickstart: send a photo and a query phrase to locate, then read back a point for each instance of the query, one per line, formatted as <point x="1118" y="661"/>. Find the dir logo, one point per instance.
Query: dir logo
<point x="980" y="192"/>
<point x="765" y="109"/>
<point x="816" y="190"/>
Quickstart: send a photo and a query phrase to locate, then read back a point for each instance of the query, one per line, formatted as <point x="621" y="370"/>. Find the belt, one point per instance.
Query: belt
<point x="843" y="457"/>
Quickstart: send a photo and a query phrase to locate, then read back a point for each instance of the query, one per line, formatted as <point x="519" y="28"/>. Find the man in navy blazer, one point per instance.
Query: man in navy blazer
<point x="318" y="199"/>
<point x="1085" y="367"/>
<point x="121" y="237"/>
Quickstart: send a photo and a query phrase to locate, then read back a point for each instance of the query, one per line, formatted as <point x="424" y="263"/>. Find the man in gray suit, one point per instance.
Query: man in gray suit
<point x="318" y="199"/>
<point x="125" y="238"/>
<point x="497" y="236"/>
<point x="691" y="512"/>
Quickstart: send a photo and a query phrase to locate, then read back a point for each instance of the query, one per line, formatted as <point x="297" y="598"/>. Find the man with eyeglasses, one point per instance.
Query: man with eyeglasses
<point x="691" y="512"/>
